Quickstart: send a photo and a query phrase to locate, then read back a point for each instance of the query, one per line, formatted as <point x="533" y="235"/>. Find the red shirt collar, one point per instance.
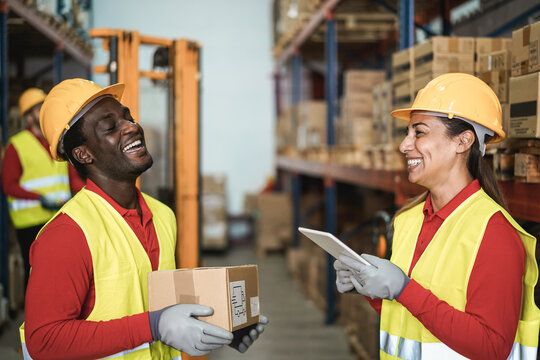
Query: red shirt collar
<point x="146" y="213"/>
<point x="443" y="213"/>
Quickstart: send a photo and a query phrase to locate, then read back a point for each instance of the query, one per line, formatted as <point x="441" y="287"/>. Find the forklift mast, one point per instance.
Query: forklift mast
<point x="182" y="73"/>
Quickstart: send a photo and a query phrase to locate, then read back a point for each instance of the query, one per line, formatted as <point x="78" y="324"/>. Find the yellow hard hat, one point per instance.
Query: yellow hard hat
<point x="65" y="101"/>
<point x="30" y="98"/>
<point x="461" y="95"/>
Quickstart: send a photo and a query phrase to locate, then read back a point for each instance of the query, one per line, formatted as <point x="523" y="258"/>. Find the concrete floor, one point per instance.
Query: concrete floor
<point x="296" y="329"/>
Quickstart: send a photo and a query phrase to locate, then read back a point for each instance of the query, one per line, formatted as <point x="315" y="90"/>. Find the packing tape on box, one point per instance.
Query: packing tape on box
<point x="453" y="45"/>
<point x="188" y="299"/>
<point x="526" y="35"/>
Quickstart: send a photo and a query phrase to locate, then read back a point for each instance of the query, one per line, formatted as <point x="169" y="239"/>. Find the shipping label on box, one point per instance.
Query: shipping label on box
<point x="233" y="293"/>
<point x="403" y="65"/>
<point x="523" y="97"/>
<point x="494" y="61"/>
<point x="485" y="45"/>
<point x="525" y="50"/>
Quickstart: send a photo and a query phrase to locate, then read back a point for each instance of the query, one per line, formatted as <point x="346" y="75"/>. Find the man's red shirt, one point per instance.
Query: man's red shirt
<point x="61" y="291"/>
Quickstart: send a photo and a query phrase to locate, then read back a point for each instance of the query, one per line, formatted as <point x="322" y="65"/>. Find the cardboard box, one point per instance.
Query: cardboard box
<point x="485" y="45"/>
<point x="527" y="167"/>
<point x="361" y="80"/>
<point x="233" y="293"/>
<point x="285" y="129"/>
<point x="311" y="127"/>
<point x="503" y="166"/>
<point x="495" y="61"/>
<point x="274" y="222"/>
<point x="440" y="55"/>
<point x="355" y="131"/>
<point x="214" y="184"/>
<point x="403" y="95"/>
<point x="498" y="82"/>
<point x="403" y="65"/>
<point x="358" y="105"/>
<point x="525" y="50"/>
<point x="524" y="120"/>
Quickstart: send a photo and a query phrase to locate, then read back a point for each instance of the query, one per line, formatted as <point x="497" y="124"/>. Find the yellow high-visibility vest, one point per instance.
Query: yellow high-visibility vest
<point x="444" y="268"/>
<point x="40" y="174"/>
<point x="120" y="263"/>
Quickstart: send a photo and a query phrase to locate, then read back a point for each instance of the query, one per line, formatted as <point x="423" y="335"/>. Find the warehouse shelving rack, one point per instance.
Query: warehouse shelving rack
<point x="523" y="199"/>
<point x="31" y="32"/>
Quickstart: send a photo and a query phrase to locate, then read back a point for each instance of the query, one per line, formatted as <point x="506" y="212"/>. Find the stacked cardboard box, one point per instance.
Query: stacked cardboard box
<point x="214" y="210"/>
<point x="355" y="126"/>
<point x="494" y="68"/>
<point x="382" y="106"/>
<point x="486" y="45"/>
<point x="274" y="221"/>
<point x="311" y="127"/>
<point x="286" y="132"/>
<point x="524" y="83"/>
<point x="440" y="55"/>
<point x="403" y="72"/>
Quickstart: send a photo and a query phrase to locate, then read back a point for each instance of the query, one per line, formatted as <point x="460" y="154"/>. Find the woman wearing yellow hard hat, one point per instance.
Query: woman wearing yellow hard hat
<point x="460" y="282"/>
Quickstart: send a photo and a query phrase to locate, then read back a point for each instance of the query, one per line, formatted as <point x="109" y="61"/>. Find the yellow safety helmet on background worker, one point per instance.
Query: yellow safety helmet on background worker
<point x="30" y="98"/>
<point x="461" y="95"/>
<point x="66" y="103"/>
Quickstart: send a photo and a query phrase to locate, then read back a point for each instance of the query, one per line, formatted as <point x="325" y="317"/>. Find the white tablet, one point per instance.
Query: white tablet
<point x="331" y="244"/>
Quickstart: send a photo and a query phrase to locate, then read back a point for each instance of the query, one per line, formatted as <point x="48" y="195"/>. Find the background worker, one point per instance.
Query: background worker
<point x="460" y="281"/>
<point x="103" y="242"/>
<point x="35" y="184"/>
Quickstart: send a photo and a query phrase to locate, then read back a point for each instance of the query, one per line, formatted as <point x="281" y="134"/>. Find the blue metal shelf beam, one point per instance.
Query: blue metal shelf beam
<point x="406" y="23"/>
<point x="58" y="60"/>
<point x="330" y="190"/>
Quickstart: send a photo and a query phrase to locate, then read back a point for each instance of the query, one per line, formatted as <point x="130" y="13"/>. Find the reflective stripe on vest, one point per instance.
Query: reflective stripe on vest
<point x="444" y="269"/>
<point x="120" y="263"/>
<point x="40" y="174"/>
<point x="408" y="349"/>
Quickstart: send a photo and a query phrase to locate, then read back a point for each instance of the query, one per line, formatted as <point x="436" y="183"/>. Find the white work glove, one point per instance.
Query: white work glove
<point x="243" y="341"/>
<point x="382" y="280"/>
<point x="176" y="326"/>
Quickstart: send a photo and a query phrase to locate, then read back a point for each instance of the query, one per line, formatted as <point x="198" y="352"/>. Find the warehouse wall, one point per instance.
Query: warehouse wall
<point x="237" y="110"/>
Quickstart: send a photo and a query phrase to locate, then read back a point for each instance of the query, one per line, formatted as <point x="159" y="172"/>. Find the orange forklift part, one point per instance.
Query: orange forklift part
<point x="186" y="139"/>
<point x="381" y="246"/>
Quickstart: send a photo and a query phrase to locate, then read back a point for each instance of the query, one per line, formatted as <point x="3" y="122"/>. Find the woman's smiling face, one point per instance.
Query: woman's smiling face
<point x="429" y="151"/>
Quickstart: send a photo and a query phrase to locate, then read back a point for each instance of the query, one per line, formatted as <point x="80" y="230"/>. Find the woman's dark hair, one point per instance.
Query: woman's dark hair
<point x="476" y="164"/>
<point x="74" y="137"/>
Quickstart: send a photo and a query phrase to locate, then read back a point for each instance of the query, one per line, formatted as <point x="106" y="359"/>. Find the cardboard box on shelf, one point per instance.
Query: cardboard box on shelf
<point x="495" y="61"/>
<point x="285" y="129"/>
<point x="498" y="82"/>
<point x="311" y="127"/>
<point x="214" y="184"/>
<point x="494" y="69"/>
<point x="214" y="212"/>
<point x="233" y="293"/>
<point x="355" y="131"/>
<point x="525" y="49"/>
<point x="361" y="80"/>
<point x="485" y="45"/>
<point x="274" y="221"/>
<point x="403" y="95"/>
<point x="357" y="105"/>
<point x="403" y="65"/>
<point x="503" y="166"/>
<point x="440" y="54"/>
<point x="523" y="98"/>
<point x="527" y="168"/>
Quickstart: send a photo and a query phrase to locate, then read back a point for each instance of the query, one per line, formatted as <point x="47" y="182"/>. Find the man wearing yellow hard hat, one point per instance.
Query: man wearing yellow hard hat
<point x="87" y="293"/>
<point x="460" y="281"/>
<point x="35" y="185"/>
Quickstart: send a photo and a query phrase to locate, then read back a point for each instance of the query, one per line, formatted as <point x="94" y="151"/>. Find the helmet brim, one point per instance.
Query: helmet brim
<point x="405" y="114"/>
